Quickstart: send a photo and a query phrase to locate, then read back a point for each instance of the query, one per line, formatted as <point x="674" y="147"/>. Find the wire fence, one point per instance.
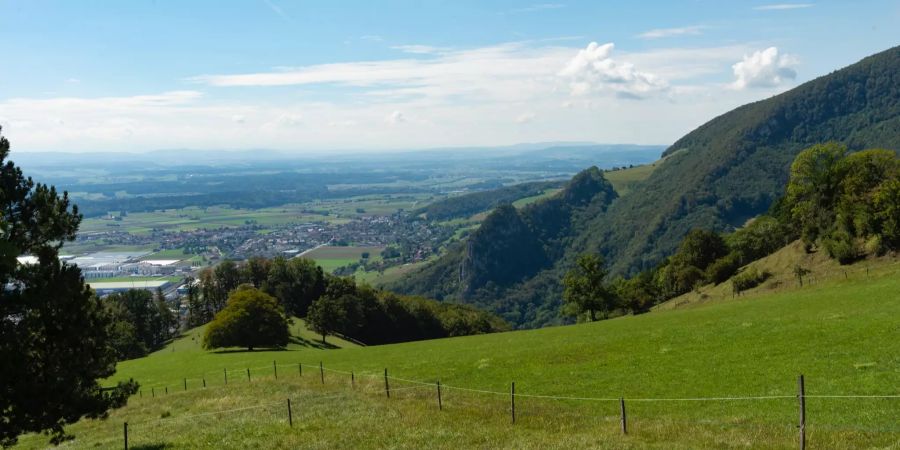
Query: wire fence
<point x="451" y="396"/>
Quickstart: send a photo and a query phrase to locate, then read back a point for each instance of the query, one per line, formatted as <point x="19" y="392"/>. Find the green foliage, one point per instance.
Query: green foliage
<point x="748" y="279"/>
<point x="142" y="323"/>
<point x="468" y="204"/>
<point x="251" y="319"/>
<point x="328" y="314"/>
<point x="723" y="268"/>
<point x="54" y="333"/>
<point x="586" y="291"/>
<point x="296" y="283"/>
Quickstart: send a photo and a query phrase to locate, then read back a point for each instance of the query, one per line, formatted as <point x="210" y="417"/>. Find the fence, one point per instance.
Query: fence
<point x="387" y="385"/>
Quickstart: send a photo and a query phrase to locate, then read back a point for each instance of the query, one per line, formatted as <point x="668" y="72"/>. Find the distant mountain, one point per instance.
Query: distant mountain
<point x="726" y="171"/>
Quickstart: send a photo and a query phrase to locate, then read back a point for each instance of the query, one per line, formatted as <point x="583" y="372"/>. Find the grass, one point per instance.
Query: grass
<point x="840" y="333"/>
<point x="333" y="257"/>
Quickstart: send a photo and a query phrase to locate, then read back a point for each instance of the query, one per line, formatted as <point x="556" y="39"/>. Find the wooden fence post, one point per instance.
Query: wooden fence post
<point x="624" y="417"/>
<point x="125" y="431"/>
<point x="300" y="369"/>
<point x="141" y="393"/>
<point x="248" y="374"/>
<point x="352" y="380"/>
<point x="167" y="390"/>
<point x="387" y="386"/>
<point x="226" y="376"/>
<point x="185" y="383"/>
<point x="512" y="401"/>
<point x="153" y="392"/>
<point x="275" y="369"/>
<point x="204" y="382"/>
<point x="290" y="415"/>
<point x="322" y="372"/>
<point x="802" y="398"/>
<point x="440" y="404"/>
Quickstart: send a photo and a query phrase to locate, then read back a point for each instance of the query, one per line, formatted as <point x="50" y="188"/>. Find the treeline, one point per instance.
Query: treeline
<point x="468" y="204"/>
<point x="845" y="204"/>
<point x="141" y="322"/>
<point x="334" y="305"/>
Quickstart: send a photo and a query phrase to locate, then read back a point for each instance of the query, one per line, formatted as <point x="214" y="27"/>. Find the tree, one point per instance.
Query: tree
<point x="250" y="319"/>
<point x="327" y="314"/>
<point x="296" y="283"/>
<point x="585" y="290"/>
<point x="54" y="333"/>
<point x="814" y="182"/>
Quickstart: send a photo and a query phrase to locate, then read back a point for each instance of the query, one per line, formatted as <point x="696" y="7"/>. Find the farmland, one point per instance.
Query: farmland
<point x="838" y="333"/>
<point x="332" y="257"/>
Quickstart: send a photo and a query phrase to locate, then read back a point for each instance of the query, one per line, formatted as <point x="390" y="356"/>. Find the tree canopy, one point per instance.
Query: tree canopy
<point x="54" y="333"/>
<point x="250" y="319"/>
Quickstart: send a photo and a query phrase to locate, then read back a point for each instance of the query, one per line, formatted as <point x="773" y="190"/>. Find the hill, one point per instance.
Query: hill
<point x="475" y="202"/>
<point x="839" y="333"/>
<point x="717" y="177"/>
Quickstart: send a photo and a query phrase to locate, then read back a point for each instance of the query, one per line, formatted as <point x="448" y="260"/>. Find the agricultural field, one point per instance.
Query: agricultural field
<point x="719" y="375"/>
<point x="331" y="257"/>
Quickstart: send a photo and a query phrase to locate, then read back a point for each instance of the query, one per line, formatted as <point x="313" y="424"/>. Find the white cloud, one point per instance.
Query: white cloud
<point x="592" y="70"/>
<point x="670" y="32"/>
<point x="764" y="68"/>
<point x="72" y="81"/>
<point x="238" y="118"/>
<point x="539" y="7"/>
<point x="783" y="6"/>
<point x="417" y="49"/>
<point x="395" y="118"/>
<point x="525" y="117"/>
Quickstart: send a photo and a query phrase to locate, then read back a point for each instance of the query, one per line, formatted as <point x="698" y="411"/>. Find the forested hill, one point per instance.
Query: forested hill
<point x="734" y="166"/>
<point x="716" y="177"/>
<point x="475" y="202"/>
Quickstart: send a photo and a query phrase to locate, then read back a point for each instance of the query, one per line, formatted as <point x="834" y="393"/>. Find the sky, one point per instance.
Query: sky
<point x="331" y="76"/>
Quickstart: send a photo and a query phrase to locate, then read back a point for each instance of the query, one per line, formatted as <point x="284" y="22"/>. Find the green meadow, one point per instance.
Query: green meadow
<point x="841" y="334"/>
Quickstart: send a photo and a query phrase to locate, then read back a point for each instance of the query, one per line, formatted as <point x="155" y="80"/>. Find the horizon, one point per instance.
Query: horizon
<point x="357" y="78"/>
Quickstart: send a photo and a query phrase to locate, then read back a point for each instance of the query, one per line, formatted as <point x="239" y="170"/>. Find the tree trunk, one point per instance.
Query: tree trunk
<point x="323" y="338"/>
<point x="593" y="315"/>
<point x="250" y="349"/>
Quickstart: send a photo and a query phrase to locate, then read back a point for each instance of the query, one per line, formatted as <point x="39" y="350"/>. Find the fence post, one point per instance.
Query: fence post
<point x="512" y="401"/>
<point x="125" y="431"/>
<point x="204" y="382"/>
<point x="248" y="374"/>
<point x="624" y="418"/>
<point x="802" y="398"/>
<point x="153" y="392"/>
<point x="300" y="369"/>
<point x="322" y="372"/>
<point x="440" y="404"/>
<point x="387" y="386"/>
<point x="185" y="383"/>
<point x="226" y="375"/>
<point x="141" y="393"/>
<point x="352" y="380"/>
<point x="290" y="415"/>
<point x="167" y="390"/>
<point x="275" y="369"/>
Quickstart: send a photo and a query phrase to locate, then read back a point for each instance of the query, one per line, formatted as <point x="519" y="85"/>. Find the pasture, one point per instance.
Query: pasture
<point x="720" y="375"/>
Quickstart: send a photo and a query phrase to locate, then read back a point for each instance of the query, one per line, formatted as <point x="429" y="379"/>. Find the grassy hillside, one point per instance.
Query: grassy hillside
<point x="841" y="334"/>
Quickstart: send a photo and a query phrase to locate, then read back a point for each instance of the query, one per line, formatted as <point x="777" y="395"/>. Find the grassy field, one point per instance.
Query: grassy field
<point x="332" y="257"/>
<point x="842" y="334"/>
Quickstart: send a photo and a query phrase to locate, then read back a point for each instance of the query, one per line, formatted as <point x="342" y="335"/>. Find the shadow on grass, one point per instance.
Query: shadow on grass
<point x="297" y="340"/>
<point x="151" y="447"/>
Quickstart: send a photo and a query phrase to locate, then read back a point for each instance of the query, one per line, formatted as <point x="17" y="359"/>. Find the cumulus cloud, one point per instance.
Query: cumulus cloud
<point x="764" y="68"/>
<point x="395" y="118"/>
<point x="671" y="32"/>
<point x="592" y="70"/>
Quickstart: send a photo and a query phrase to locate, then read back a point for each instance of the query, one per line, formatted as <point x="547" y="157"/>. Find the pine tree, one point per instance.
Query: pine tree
<point x="54" y="333"/>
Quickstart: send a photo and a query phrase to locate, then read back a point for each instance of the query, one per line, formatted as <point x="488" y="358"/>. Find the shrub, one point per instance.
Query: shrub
<point x="251" y="318"/>
<point x="749" y="279"/>
<point x="841" y="247"/>
<point x="723" y="268"/>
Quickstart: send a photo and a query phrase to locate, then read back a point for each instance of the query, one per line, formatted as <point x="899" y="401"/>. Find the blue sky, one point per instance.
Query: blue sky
<point x="337" y="75"/>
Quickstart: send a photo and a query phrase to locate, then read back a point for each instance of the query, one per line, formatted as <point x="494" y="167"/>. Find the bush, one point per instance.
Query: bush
<point x="841" y="247"/>
<point x="251" y="318"/>
<point x="749" y="279"/>
<point x="723" y="268"/>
